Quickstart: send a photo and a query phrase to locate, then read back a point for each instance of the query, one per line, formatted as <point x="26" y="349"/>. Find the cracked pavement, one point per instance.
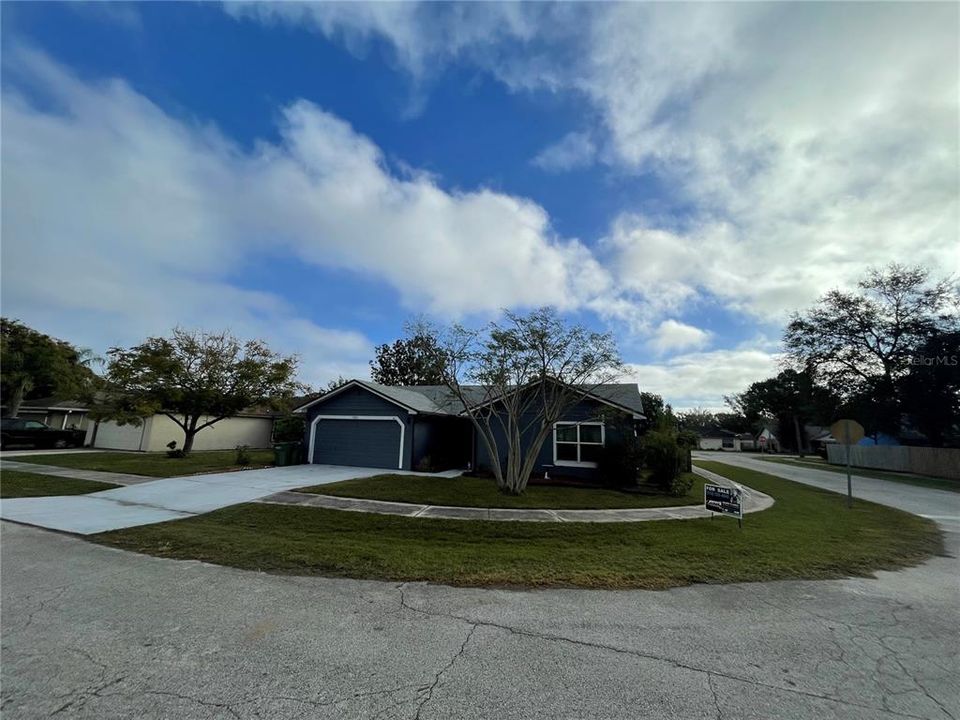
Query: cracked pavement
<point x="94" y="632"/>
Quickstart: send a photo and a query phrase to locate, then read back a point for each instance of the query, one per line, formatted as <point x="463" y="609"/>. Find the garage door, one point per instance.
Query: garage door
<point x="364" y="443"/>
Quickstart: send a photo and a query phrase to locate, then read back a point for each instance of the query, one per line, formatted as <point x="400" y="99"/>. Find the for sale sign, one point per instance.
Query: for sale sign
<point x="723" y="500"/>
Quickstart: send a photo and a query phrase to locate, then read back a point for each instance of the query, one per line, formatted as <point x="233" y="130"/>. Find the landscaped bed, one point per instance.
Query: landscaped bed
<point x="808" y="533"/>
<point x="152" y="464"/>
<point x="482" y="492"/>
<point x="14" y="484"/>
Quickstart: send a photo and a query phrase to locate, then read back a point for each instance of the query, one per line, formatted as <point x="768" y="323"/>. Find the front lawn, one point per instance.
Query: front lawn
<point x="482" y="492"/>
<point x="818" y="463"/>
<point x="152" y="464"/>
<point x="808" y="533"/>
<point x="14" y="484"/>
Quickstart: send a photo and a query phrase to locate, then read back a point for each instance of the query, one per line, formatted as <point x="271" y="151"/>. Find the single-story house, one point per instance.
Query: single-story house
<point x="370" y="425"/>
<point x="716" y="438"/>
<point x="253" y="429"/>
<point x="54" y="412"/>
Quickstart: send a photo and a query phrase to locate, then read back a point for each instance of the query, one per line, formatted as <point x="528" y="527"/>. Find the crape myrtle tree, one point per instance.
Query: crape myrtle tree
<point x="196" y="379"/>
<point x="32" y="363"/>
<point x="530" y="370"/>
<point x="862" y="343"/>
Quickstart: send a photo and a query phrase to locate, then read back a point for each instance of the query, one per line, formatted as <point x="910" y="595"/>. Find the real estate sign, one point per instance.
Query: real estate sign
<point x="723" y="500"/>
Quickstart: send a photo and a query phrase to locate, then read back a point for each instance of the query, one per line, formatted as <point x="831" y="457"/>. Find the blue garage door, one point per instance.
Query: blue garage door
<point x="364" y="443"/>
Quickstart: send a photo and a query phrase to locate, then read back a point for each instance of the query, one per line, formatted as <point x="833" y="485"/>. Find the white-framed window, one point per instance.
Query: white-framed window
<point x="578" y="444"/>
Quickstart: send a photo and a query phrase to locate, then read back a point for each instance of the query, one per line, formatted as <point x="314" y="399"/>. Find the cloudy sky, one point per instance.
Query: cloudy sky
<point x="682" y="175"/>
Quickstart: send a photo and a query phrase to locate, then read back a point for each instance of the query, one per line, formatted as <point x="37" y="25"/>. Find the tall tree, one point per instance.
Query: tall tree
<point x="413" y="360"/>
<point x="32" y="363"/>
<point x="196" y="379"/>
<point x="530" y="369"/>
<point x="659" y="414"/>
<point x="862" y="342"/>
<point x="931" y="390"/>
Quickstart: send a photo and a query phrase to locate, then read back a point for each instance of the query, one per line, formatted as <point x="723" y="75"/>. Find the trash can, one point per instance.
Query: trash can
<point x="286" y="453"/>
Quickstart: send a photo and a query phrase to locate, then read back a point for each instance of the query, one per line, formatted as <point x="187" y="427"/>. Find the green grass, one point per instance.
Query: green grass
<point x="152" y="464"/>
<point x="808" y="533"/>
<point x="482" y="492"/>
<point x="14" y="484"/>
<point x="934" y="483"/>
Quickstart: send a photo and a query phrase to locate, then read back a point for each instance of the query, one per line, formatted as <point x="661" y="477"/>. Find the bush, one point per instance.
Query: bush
<point x="289" y="428"/>
<point x="681" y="484"/>
<point x="664" y="457"/>
<point x="425" y="465"/>
<point x="243" y="455"/>
<point x="620" y="462"/>
<point x="173" y="452"/>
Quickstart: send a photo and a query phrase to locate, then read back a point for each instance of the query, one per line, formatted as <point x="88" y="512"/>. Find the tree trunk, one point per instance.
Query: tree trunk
<point x="189" y="432"/>
<point x="796" y="430"/>
<point x="16" y="397"/>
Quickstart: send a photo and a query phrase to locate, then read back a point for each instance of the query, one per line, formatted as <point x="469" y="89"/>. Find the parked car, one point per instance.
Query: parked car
<point x="15" y="431"/>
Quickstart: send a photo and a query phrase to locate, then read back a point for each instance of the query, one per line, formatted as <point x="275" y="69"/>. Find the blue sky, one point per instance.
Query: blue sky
<point x="684" y="176"/>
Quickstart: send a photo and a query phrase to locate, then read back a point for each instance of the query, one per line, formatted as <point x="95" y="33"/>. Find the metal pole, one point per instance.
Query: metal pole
<point x="849" y="483"/>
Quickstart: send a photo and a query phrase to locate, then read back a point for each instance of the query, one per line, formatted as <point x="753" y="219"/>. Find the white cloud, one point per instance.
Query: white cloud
<point x="136" y="220"/>
<point x="573" y="150"/>
<point x="702" y="379"/>
<point x="675" y="335"/>
<point x="801" y="149"/>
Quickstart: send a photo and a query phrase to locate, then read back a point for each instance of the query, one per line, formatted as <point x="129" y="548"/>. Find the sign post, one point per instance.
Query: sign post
<point x="724" y="500"/>
<point x="848" y="432"/>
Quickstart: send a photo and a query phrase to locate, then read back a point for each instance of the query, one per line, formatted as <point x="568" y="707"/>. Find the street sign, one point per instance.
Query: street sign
<point x="847" y="432"/>
<point x="724" y="500"/>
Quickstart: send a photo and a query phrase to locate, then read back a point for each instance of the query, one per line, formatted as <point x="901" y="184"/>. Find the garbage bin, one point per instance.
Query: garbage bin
<point x="286" y="453"/>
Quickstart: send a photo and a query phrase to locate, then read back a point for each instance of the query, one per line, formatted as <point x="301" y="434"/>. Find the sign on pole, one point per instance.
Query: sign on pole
<point x="724" y="500"/>
<point x="848" y="432"/>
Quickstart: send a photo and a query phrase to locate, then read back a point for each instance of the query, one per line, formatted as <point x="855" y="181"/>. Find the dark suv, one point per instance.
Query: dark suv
<point x="16" y="431"/>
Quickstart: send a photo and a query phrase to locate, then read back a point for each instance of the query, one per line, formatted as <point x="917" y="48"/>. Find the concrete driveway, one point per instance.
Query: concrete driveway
<point x="170" y="498"/>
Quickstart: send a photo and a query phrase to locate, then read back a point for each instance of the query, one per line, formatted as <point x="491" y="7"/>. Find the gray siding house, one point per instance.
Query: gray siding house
<point x="369" y="425"/>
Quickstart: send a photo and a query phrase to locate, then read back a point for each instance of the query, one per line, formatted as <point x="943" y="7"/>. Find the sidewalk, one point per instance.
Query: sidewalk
<point x="753" y="502"/>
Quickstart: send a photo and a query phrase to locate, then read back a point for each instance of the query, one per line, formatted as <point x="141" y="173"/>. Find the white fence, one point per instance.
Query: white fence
<point x="938" y="462"/>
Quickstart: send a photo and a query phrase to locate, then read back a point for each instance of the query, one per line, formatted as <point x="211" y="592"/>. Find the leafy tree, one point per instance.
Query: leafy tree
<point x="791" y="398"/>
<point x="32" y="363"/>
<point x="862" y="342"/>
<point x="658" y="413"/>
<point x="414" y="360"/>
<point x="196" y="379"/>
<point x="531" y="369"/>
<point x="931" y="390"/>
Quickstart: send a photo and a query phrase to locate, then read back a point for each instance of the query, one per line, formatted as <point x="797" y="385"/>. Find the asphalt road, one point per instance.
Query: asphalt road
<point x="94" y="632"/>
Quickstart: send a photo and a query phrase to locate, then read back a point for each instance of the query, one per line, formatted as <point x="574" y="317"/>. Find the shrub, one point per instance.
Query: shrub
<point x="620" y="462"/>
<point x="173" y="452"/>
<point x="289" y="428"/>
<point x="425" y="465"/>
<point x="243" y="455"/>
<point x="681" y="484"/>
<point x="664" y="457"/>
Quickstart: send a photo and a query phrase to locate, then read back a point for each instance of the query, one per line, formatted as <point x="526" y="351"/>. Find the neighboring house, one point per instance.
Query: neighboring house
<point x="716" y="438"/>
<point x="253" y="429"/>
<point x="370" y="425"/>
<point x="54" y="412"/>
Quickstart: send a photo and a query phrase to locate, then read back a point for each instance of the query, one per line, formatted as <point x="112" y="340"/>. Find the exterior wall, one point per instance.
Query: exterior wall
<point x="225" y="435"/>
<point x="938" y="462"/>
<point x="711" y="443"/>
<point x="586" y="410"/>
<point x="60" y="419"/>
<point x="156" y="431"/>
<point x="358" y="402"/>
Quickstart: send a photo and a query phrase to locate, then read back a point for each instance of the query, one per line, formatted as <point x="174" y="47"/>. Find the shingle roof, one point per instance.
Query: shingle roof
<point x="439" y="400"/>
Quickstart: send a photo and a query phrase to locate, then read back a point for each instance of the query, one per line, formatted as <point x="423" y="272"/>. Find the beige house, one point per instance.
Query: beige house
<point x="155" y="432"/>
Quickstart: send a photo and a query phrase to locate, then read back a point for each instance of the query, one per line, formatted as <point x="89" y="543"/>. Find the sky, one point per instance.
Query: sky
<point x="684" y="176"/>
